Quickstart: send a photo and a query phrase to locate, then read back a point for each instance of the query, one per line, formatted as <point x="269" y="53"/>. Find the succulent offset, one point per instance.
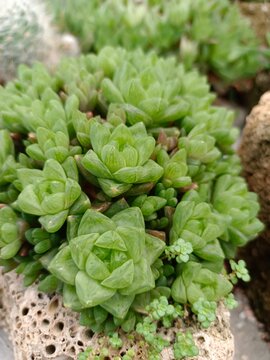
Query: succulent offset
<point x="119" y="188"/>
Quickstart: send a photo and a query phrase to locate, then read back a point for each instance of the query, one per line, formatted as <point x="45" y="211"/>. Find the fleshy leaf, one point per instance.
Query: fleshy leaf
<point x="95" y="222"/>
<point x="80" y="248"/>
<point x="95" y="166"/>
<point x="121" y="276"/>
<point x="90" y="292"/>
<point x="96" y="268"/>
<point x="134" y="240"/>
<point x="129" y="217"/>
<point x="143" y="279"/>
<point x="113" y="188"/>
<point x="70" y="298"/>
<point x="118" y="305"/>
<point x="29" y="202"/>
<point x="53" y="223"/>
<point x="111" y="240"/>
<point x="63" y="266"/>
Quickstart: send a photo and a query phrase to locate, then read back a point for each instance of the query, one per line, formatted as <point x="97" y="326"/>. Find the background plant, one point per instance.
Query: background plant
<point x="209" y="34"/>
<point x="120" y="189"/>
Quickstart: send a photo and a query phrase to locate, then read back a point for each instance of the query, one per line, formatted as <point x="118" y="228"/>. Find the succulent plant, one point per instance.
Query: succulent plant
<point x="187" y="28"/>
<point x="121" y="158"/>
<point x="111" y="260"/>
<point x="12" y="230"/>
<point x="48" y="193"/>
<point x="120" y="189"/>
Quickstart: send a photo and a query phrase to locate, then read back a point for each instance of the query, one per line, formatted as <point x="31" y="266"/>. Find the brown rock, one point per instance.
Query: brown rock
<point x="259" y="15"/>
<point x="255" y="154"/>
<point x="41" y="328"/>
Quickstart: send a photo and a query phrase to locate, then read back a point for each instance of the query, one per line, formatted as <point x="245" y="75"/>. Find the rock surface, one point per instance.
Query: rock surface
<point x="40" y="328"/>
<point x="259" y="15"/>
<point x="255" y="154"/>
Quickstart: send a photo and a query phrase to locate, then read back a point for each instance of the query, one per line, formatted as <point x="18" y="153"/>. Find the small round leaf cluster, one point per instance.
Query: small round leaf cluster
<point x="230" y="302"/>
<point x="160" y="309"/>
<point x="184" y="346"/>
<point x="180" y="250"/>
<point x="205" y="311"/>
<point x="239" y="271"/>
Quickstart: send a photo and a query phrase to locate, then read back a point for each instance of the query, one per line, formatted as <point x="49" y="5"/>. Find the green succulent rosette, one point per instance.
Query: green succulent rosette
<point x="12" y="229"/>
<point x="149" y="205"/>
<point x="196" y="281"/>
<point x="8" y="167"/>
<point x="196" y="223"/>
<point x="239" y="207"/>
<point x="49" y="193"/>
<point x="146" y="97"/>
<point x="121" y="157"/>
<point x="199" y="145"/>
<point x="109" y="262"/>
<point x="51" y="145"/>
<point x="175" y="168"/>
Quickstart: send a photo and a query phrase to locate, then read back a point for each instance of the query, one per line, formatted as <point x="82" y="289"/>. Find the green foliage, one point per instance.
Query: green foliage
<point x="205" y="311"/>
<point x="184" y="346"/>
<point x="12" y="230"/>
<point x="115" y="341"/>
<point x="160" y="309"/>
<point x="85" y="355"/>
<point x="120" y="189"/>
<point x="239" y="271"/>
<point x="121" y="158"/>
<point x="210" y="34"/>
<point x="180" y="250"/>
<point x="230" y="302"/>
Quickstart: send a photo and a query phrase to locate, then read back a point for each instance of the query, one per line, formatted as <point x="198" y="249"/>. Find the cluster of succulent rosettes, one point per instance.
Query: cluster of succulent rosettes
<point x="109" y="262"/>
<point x="113" y="204"/>
<point x="186" y="28"/>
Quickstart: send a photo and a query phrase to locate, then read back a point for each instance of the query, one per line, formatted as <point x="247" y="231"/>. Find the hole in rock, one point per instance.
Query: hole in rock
<point x="88" y="334"/>
<point x="201" y="340"/>
<point x="33" y="304"/>
<point x="72" y="349"/>
<point x="40" y="296"/>
<point x="72" y="331"/>
<point x="59" y="326"/>
<point x="25" y="311"/>
<point x="80" y="343"/>
<point x="45" y="322"/>
<point x="50" y="349"/>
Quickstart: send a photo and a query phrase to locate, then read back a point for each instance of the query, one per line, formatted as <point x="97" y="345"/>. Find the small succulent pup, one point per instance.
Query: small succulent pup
<point x="27" y="35"/>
